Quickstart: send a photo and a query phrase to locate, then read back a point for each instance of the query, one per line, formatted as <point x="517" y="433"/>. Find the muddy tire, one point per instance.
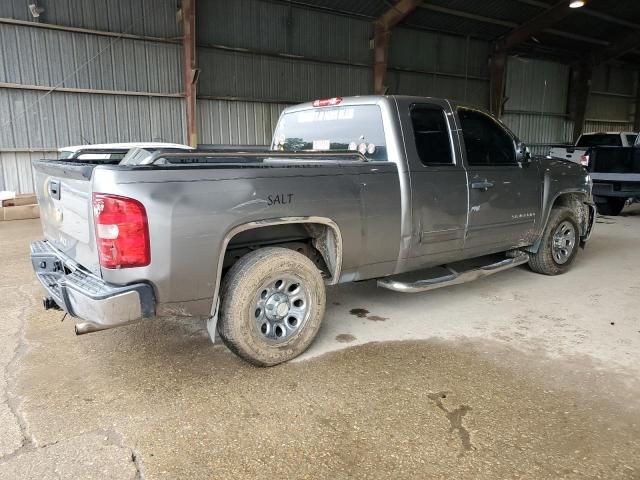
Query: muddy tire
<point x="559" y="245"/>
<point x="610" y="206"/>
<point x="272" y="304"/>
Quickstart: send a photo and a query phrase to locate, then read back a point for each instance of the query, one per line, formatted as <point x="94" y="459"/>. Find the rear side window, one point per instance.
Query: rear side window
<point x="485" y="140"/>
<point x="600" y="140"/>
<point x="631" y="139"/>
<point x="348" y="127"/>
<point x="431" y="135"/>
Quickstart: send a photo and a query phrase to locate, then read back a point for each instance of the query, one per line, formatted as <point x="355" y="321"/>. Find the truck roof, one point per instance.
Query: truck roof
<point x="359" y="100"/>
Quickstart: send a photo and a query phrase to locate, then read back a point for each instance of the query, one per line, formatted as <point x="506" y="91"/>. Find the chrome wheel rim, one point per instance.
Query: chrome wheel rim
<point x="564" y="242"/>
<point x="281" y="308"/>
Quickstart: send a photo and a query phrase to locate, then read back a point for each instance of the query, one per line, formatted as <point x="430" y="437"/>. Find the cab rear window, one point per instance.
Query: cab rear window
<point x="600" y="140"/>
<point x="344" y="128"/>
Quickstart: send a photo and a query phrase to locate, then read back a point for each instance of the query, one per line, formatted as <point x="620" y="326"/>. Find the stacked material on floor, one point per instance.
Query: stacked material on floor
<point x="18" y="207"/>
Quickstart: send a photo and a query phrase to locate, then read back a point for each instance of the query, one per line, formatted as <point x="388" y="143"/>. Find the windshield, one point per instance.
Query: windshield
<point x="350" y="127"/>
<point x="600" y="140"/>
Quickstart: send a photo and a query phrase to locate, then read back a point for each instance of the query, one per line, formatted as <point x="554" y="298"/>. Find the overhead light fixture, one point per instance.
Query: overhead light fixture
<point x="576" y="4"/>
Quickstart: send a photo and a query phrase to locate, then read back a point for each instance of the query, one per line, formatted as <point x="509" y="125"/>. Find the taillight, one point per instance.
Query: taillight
<point x="122" y="232"/>
<point x="327" y="102"/>
<point x="584" y="160"/>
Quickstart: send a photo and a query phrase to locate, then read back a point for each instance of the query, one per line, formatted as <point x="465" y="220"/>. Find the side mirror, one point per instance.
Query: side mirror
<point x="523" y="155"/>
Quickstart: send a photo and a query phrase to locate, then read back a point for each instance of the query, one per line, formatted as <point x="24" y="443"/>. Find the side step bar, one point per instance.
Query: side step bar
<point x="454" y="278"/>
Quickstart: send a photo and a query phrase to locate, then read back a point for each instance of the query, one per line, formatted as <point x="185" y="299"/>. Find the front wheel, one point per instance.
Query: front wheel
<point x="559" y="244"/>
<point x="272" y="304"/>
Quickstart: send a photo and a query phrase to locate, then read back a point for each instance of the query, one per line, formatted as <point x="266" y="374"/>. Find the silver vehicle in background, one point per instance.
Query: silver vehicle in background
<point x="373" y="187"/>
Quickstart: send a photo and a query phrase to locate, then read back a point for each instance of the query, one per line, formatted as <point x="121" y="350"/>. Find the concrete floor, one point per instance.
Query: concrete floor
<point x="514" y="376"/>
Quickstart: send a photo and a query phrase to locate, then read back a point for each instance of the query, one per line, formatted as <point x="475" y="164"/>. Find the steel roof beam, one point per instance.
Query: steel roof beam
<point x="534" y="26"/>
<point x="624" y="44"/>
<point x="508" y="23"/>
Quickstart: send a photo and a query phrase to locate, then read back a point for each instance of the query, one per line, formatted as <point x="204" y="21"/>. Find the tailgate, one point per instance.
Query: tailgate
<point x="615" y="160"/>
<point x="64" y="195"/>
<point x="572" y="154"/>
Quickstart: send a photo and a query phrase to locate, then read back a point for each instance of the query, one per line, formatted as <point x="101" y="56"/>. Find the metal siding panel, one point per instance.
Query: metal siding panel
<point x="268" y="78"/>
<point x="15" y="170"/>
<point x="606" y="107"/>
<point x="466" y="91"/>
<point x="63" y="118"/>
<point x="141" y="17"/>
<point x="536" y="85"/>
<point x="540" y="131"/>
<point x="226" y="122"/>
<point x="56" y="58"/>
<point x="404" y="43"/>
<point x="289" y="29"/>
<point x="330" y="36"/>
<point x="614" y="79"/>
<point x="607" y="126"/>
<point x="438" y="53"/>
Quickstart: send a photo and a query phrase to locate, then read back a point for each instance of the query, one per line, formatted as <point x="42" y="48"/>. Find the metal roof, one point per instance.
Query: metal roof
<point x="593" y="26"/>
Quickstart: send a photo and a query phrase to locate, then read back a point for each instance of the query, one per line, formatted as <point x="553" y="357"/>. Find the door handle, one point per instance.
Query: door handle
<point x="483" y="185"/>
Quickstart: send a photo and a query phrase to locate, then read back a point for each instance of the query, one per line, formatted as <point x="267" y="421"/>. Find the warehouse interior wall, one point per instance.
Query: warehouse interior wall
<point x="85" y="72"/>
<point x="98" y="72"/>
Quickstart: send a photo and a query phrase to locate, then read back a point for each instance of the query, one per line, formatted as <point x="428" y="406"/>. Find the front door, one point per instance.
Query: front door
<point x="438" y="185"/>
<point x="504" y="195"/>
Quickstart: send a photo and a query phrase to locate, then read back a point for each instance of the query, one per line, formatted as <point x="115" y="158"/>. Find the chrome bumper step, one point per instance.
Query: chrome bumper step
<point x="407" y="283"/>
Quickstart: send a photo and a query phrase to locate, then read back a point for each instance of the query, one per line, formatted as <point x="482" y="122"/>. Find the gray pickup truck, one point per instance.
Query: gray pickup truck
<point x="415" y="192"/>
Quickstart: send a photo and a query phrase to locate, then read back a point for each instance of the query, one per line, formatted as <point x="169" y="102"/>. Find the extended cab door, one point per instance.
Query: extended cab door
<point x="504" y="195"/>
<point x="438" y="182"/>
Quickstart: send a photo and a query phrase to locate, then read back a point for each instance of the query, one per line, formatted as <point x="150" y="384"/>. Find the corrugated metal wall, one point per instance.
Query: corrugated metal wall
<point x="301" y="54"/>
<point x="107" y="88"/>
<point x="39" y="56"/>
<point x="156" y="18"/>
<point x="15" y="169"/>
<point x="225" y="122"/>
<point x="447" y="66"/>
<point x="611" y="104"/>
<point x="536" y="93"/>
<point x="31" y="119"/>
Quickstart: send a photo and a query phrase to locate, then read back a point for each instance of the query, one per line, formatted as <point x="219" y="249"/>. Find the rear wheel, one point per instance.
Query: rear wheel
<point x="611" y="206"/>
<point x="272" y="304"/>
<point x="559" y="244"/>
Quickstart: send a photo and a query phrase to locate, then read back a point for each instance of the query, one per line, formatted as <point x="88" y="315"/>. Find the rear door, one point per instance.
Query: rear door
<point x="438" y="183"/>
<point x="504" y="195"/>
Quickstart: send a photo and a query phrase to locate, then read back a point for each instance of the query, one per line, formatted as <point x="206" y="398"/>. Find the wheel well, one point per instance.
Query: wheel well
<point x="319" y="242"/>
<point x="574" y="201"/>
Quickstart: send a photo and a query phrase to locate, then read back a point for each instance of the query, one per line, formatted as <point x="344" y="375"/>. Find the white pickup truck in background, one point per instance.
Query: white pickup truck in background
<point x="578" y="152"/>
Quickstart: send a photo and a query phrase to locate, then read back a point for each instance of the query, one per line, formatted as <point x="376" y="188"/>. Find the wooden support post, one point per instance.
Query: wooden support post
<point x="497" y="80"/>
<point x="580" y="87"/>
<point x="190" y="72"/>
<point x="380" y="58"/>
<point x="636" y="117"/>
<point x="381" y="33"/>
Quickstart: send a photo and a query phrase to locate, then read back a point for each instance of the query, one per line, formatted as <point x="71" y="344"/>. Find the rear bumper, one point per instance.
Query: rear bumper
<point x="98" y="304"/>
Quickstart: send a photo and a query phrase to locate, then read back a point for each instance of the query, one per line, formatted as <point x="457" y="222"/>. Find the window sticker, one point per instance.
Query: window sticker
<point x="322" y="144"/>
<point x="309" y="116"/>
